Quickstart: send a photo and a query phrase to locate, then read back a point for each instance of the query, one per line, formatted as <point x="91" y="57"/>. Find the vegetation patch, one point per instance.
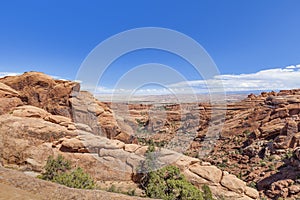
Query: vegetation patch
<point x="59" y="170"/>
<point x="168" y="183"/>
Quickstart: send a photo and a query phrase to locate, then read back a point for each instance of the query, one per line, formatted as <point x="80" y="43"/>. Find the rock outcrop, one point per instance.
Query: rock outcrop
<point x="17" y="185"/>
<point x="255" y="143"/>
<point x="54" y="117"/>
<point x="28" y="141"/>
<point x="40" y="90"/>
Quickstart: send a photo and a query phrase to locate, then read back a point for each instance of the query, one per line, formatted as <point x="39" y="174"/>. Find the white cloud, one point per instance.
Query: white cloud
<point x="266" y="80"/>
<point x="77" y="81"/>
<point x="271" y="79"/>
<point x="291" y="67"/>
<point x="3" y="74"/>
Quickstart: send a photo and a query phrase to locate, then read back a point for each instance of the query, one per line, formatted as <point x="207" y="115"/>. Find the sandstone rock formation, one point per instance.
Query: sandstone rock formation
<point x="17" y="185"/>
<point x="54" y="117"/>
<point x="40" y="90"/>
<point x="27" y="142"/>
<point x="256" y="142"/>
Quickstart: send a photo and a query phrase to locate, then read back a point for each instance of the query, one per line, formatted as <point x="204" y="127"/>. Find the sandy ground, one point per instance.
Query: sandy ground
<point x="8" y="192"/>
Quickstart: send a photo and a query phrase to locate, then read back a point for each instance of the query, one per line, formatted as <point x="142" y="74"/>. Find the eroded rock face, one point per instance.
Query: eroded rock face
<point x="59" y="98"/>
<point x="232" y="183"/>
<point x="256" y="141"/>
<point x="9" y="98"/>
<point x="28" y="140"/>
<point x="50" y="117"/>
<point x="87" y="110"/>
<point x="211" y="173"/>
<point x="40" y="90"/>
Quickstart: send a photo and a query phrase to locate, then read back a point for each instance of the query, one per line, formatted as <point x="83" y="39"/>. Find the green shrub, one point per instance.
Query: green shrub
<point x="262" y="163"/>
<point x="168" y="184"/>
<point x="289" y="154"/>
<point x="207" y="195"/>
<point x="59" y="171"/>
<point x="150" y="163"/>
<point x="252" y="184"/>
<point x="55" y="167"/>
<point x="75" y="179"/>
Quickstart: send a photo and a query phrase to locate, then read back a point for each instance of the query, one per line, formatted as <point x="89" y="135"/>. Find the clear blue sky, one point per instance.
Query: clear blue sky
<point x="242" y="36"/>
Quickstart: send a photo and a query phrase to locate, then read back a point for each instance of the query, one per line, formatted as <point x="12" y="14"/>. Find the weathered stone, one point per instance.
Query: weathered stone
<point x="83" y="127"/>
<point x="294" y="189"/>
<point x="184" y="162"/>
<point x="114" y="144"/>
<point x="167" y="157"/>
<point x="251" y="192"/>
<point x="131" y="147"/>
<point x="272" y="128"/>
<point x="195" y="179"/>
<point x="296" y="153"/>
<point x="45" y="127"/>
<point x="232" y="183"/>
<point x="40" y="90"/>
<point x="226" y="194"/>
<point x="118" y="154"/>
<point x="58" y="119"/>
<point x="8" y="104"/>
<point x="6" y="91"/>
<point x="30" y="111"/>
<point x="134" y="161"/>
<point x="95" y="108"/>
<point x="72" y="145"/>
<point x="71" y="127"/>
<point x="141" y="151"/>
<point x="211" y="173"/>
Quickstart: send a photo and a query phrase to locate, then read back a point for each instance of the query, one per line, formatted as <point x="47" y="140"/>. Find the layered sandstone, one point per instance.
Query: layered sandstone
<point x="52" y="117"/>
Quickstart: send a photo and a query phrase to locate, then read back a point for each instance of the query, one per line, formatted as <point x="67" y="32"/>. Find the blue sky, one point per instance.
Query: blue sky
<point x="242" y="37"/>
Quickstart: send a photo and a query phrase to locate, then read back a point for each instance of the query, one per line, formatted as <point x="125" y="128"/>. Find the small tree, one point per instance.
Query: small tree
<point x="55" y="166"/>
<point x="150" y="163"/>
<point x="75" y="179"/>
<point x="168" y="184"/>
<point x="59" y="171"/>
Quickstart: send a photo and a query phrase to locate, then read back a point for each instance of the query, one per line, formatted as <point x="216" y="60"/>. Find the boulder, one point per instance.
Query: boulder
<point x="183" y="162"/>
<point x="294" y="189"/>
<point x="251" y="192"/>
<point x="72" y="145"/>
<point x="272" y="128"/>
<point x="211" y="173"/>
<point x="233" y="183"/>
<point x="8" y="104"/>
<point x="30" y="111"/>
<point x="224" y="193"/>
<point x="57" y="119"/>
<point x="131" y="147"/>
<point x="23" y="138"/>
<point x="7" y="92"/>
<point x="195" y="179"/>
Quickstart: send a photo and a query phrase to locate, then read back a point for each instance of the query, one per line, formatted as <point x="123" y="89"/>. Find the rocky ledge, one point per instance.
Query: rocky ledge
<point x="42" y="117"/>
